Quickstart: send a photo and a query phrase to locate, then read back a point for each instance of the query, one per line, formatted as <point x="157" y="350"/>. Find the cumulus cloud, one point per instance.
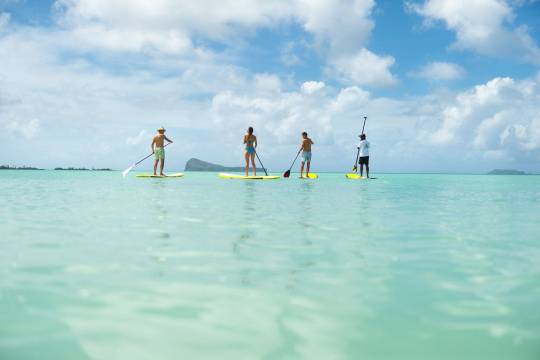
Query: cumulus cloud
<point x="364" y="68"/>
<point x="282" y="115"/>
<point x="481" y="26"/>
<point x="500" y="117"/>
<point x="439" y="71"/>
<point x="169" y="26"/>
<point x="309" y="87"/>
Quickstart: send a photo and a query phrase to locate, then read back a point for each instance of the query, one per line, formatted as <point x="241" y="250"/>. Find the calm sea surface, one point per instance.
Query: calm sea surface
<point x="94" y="266"/>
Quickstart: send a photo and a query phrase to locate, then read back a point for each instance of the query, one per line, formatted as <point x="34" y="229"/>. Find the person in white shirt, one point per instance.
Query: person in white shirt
<point x="363" y="147"/>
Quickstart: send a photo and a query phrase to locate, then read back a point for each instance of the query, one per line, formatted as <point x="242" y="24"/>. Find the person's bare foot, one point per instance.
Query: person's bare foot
<point x="161" y="174"/>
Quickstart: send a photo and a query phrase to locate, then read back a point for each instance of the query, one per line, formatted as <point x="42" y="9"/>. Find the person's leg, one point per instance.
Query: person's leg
<point x="155" y="166"/>
<point x="367" y="168"/>
<point x="161" y="166"/>
<point x="246" y="156"/>
<point x="302" y="168"/>
<point x="361" y="169"/>
<point x="253" y="164"/>
<point x="307" y="170"/>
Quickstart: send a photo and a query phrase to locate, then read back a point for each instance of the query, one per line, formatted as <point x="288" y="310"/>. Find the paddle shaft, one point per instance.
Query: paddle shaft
<point x="294" y="160"/>
<point x="258" y="158"/>
<point x="363" y="126"/>
<point x="358" y="152"/>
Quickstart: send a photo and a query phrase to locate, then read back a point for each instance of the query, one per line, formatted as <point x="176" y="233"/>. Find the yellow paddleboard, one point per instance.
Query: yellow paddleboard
<point x="355" y="176"/>
<point x="175" y="175"/>
<point x="311" y="176"/>
<point x="243" y="177"/>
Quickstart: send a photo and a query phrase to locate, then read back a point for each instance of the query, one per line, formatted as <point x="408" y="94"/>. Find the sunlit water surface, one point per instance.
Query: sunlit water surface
<point x="93" y="266"/>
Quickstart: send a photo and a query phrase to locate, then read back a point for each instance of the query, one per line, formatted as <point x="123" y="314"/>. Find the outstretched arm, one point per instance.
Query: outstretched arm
<point x="169" y="140"/>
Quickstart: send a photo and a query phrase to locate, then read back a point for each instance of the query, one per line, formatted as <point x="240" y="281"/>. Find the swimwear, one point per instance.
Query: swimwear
<point x="363" y="160"/>
<point x="250" y="149"/>
<point x="159" y="152"/>
<point x="306" y="156"/>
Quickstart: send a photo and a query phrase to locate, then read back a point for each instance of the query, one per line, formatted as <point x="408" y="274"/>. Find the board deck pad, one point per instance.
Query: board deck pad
<point x="174" y="175"/>
<point x="354" y="176"/>
<point x="311" y="176"/>
<point x="243" y="177"/>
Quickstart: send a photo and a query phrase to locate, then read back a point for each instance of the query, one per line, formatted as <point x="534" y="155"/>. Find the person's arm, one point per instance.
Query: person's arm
<point x="255" y="141"/>
<point x="153" y="143"/>
<point x="169" y="140"/>
<point x="245" y="139"/>
<point x="311" y="142"/>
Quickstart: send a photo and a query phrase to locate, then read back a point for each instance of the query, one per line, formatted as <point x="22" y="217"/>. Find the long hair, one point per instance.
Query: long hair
<point x="250" y="130"/>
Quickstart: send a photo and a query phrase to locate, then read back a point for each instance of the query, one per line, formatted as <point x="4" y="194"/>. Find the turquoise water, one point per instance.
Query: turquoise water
<point x="93" y="266"/>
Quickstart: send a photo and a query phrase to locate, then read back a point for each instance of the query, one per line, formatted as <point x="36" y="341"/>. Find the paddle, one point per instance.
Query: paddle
<point x="355" y="168"/>
<point x="258" y="158"/>
<point x="287" y="173"/>
<point x="125" y="172"/>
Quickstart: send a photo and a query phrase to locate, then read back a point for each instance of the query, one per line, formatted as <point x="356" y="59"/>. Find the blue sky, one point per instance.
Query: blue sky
<point x="447" y="85"/>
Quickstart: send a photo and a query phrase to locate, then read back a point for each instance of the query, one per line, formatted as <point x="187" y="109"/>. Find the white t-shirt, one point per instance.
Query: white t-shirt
<point x="364" y="148"/>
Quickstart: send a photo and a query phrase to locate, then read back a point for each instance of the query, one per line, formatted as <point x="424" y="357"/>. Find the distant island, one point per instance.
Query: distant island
<point x="82" y="169"/>
<point x="8" y="167"/>
<point x="199" y="165"/>
<point x="506" y="172"/>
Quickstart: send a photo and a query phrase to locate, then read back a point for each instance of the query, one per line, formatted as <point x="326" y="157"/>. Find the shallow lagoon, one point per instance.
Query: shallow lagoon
<point x="93" y="266"/>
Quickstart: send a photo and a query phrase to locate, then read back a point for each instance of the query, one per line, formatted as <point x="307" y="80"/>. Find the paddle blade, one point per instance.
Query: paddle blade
<point x="287" y="173"/>
<point x="125" y="172"/>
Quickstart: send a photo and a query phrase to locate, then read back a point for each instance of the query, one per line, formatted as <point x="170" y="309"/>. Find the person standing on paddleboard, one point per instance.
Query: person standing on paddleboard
<point x="158" y="149"/>
<point x="363" y="147"/>
<point x="305" y="147"/>
<point x="250" y="141"/>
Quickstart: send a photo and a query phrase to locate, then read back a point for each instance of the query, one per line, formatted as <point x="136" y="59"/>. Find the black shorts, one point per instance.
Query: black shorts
<point x="363" y="160"/>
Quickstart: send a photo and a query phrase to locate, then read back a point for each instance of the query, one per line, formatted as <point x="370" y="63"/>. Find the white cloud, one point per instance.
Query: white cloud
<point x="481" y="26"/>
<point x="281" y="116"/>
<point x="500" y="117"/>
<point x="364" y="68"/>
<point x="350" y="97"/>
<point x="169" y="27"/>
<point x="137" y="139"/>
<point x="267" y="82"/>
<point x="25" y="128"/>
<point x="344" y="26"/>
<point x="437" y="71"/>
<point x="310" y="87"/>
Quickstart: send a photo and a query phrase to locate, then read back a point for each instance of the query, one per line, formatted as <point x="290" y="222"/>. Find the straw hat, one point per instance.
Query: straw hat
<point x="161" y="129"/>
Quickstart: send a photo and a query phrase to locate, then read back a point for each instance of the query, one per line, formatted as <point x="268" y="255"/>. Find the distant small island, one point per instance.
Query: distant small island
<point x="506" y="172"/>
<point x="8" y="167"/>
<point x="82" y="169"/>
<point x="199" y="165"/>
